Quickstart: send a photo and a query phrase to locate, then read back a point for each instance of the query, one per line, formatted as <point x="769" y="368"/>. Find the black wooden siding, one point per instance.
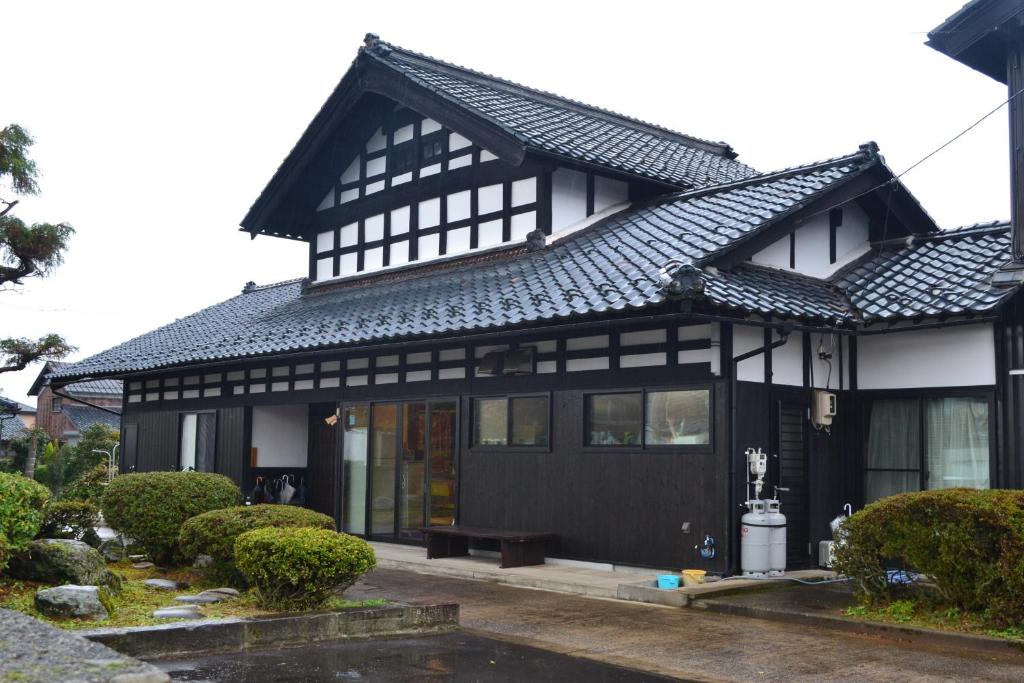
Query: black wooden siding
<point x="608" y="504"/>
<point x="231" y="434"/>
<point x="324" y="457"/>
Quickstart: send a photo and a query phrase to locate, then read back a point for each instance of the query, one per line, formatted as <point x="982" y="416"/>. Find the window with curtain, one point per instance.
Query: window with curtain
<point x="198" y="441"/>
<point x="893" y="459"/>
<point x="933" y="443"/>
<point x="957" y="442"/>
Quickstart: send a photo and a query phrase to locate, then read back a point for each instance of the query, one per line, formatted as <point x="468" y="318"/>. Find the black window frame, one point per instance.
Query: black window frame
<point x="921" y="396"/>
<point x="56" y="404"/>
<point x="643" y="445"/>
<point x="508" y="445"/>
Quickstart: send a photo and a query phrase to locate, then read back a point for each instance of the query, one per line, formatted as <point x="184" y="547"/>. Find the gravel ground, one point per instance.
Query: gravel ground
<point x="35" y="652"/>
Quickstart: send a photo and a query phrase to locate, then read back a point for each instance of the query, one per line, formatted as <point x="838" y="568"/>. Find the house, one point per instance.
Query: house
<point x="524" y="312"/>
<point x="65" y="412"/>
<point x="15" y="419"/>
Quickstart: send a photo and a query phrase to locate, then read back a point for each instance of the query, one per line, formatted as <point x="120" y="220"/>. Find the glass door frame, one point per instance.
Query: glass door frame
<point x="394" y="536"/>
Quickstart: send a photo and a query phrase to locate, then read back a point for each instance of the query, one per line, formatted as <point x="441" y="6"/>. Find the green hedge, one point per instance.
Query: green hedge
<point x="970" y="542"/>
<point x="75" y="519"/>
<point x="89" y="486"/>
<point x="299" y="568"/>
<point x="214" y="533"/>
<point x="21" y="513"/>
<point x="151" y="507"/>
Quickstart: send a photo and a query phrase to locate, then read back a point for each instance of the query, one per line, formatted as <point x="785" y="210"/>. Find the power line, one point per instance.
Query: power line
<point x="892" y="181"/>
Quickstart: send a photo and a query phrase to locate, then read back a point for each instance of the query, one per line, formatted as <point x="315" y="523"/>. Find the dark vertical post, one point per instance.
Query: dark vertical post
<point x="1015" y="83"/>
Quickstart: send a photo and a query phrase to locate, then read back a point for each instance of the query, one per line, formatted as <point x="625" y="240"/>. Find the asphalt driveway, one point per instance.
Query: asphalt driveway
<point x="685" y="643"/>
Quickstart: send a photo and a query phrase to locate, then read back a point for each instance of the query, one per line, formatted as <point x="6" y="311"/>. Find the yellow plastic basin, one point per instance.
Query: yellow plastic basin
<point x="693" y="577"/>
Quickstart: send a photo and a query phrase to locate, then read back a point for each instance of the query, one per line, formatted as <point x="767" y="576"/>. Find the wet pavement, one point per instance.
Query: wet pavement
<point x="687" y="643"/>
<point x="447" y="657"/>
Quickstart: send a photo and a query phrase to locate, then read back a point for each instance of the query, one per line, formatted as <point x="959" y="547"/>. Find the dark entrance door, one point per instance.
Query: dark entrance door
<point x="412" y="467"/>
<point x="791" y="473"/>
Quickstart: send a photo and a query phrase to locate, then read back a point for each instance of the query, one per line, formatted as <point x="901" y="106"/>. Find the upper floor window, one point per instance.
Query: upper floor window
<point x="649" y="418"/>
<point x="56" y="404"/>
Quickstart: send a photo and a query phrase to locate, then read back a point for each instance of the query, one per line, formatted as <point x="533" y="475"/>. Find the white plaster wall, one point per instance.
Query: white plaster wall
<point x="747" y="338"/>
<point x="280" y="435"/>
<point x="775" y="254"/>
<point x="812" y="244"/>
<point x="609" y="192"/>
<point x="568" y="198"/>
<point x="788" y="361"/>
<point x="951" y="357"/>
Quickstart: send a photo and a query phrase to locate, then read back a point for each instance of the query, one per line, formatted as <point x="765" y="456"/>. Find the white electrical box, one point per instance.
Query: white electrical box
<point x="823" y="408"/>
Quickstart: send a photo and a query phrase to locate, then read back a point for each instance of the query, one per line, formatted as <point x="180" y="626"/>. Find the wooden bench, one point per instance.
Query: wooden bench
<point x="518" y="548"/>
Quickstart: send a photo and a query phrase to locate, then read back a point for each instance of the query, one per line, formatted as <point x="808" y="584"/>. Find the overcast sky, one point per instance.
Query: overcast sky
<point x="158" y="126"/>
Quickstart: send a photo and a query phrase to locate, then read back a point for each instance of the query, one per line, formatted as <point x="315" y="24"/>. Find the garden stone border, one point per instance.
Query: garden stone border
<point x="238" y="634"/>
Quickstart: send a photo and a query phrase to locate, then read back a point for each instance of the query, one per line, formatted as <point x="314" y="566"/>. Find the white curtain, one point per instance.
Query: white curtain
<point x="893" y="444"/>
<point x="958" y="445"/>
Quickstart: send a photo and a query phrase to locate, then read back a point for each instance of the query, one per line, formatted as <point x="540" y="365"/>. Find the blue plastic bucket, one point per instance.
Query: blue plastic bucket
<point x="668" y="581"/>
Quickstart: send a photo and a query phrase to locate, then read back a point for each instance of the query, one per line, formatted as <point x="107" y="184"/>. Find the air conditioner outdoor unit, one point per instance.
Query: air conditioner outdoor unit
<point x="823" y="408"/>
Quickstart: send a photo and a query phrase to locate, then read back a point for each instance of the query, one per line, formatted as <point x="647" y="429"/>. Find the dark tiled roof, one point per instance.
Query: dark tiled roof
<point x="568" y="128"/>
<point x="769" y="291"/>
<point x="610" y="266"/>
<point x="11" y="428"/>
<point x="83" y="417"/>
<point x="947" y="273"/>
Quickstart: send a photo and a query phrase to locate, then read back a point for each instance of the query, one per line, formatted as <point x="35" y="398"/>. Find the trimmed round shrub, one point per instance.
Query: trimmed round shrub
<point x="214" y="533"/>
<point x="299" y="568"/>
<point x="150" y="507"/>
<point x="75" y="519"/>
<point x="21" y="513"/>
<point x="969" y="542"/>
<point x="89" y="486"/>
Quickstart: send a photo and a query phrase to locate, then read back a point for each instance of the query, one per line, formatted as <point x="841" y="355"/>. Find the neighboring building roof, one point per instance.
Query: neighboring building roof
<point x="83" y="417"/>
<point x="565" y="127"/>
<point x="112" y="388"/>
<point x="976" y="35"/>
<point x="22" y="408"/>
<point x="11" y="428"/>
<point x="948" y="273"/>
<point x="612" y="265"/>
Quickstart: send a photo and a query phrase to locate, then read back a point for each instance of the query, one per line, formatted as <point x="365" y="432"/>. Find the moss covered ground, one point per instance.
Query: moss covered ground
<point x="134" y="605"/>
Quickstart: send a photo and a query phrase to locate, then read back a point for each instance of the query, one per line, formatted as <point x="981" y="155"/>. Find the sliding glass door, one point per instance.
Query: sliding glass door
<point x="410" y="448"/>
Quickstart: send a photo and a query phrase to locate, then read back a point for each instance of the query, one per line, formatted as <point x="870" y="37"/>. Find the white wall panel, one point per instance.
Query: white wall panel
<point x="747" y="338"/>
<point x="568" y="198"/>
<point x="609" y="192"/>
<point x="280" y="435"/>
<point x="489" y="198"/>
<point x="951" y="357"/>
<point x="788" y="360"/>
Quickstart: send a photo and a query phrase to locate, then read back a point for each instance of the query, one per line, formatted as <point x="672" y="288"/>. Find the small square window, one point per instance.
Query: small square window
<point x="615" y="419"/>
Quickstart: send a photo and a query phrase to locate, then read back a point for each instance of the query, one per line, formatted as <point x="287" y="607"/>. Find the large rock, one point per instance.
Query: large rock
<point x="33" y="651"/>
<point x="71" y="601"/>
<point x="60" y="561"/>
<point x="112" y="549"/>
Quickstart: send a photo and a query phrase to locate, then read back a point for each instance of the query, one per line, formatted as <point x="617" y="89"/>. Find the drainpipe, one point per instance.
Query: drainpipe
<point x="784" y="331"/>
